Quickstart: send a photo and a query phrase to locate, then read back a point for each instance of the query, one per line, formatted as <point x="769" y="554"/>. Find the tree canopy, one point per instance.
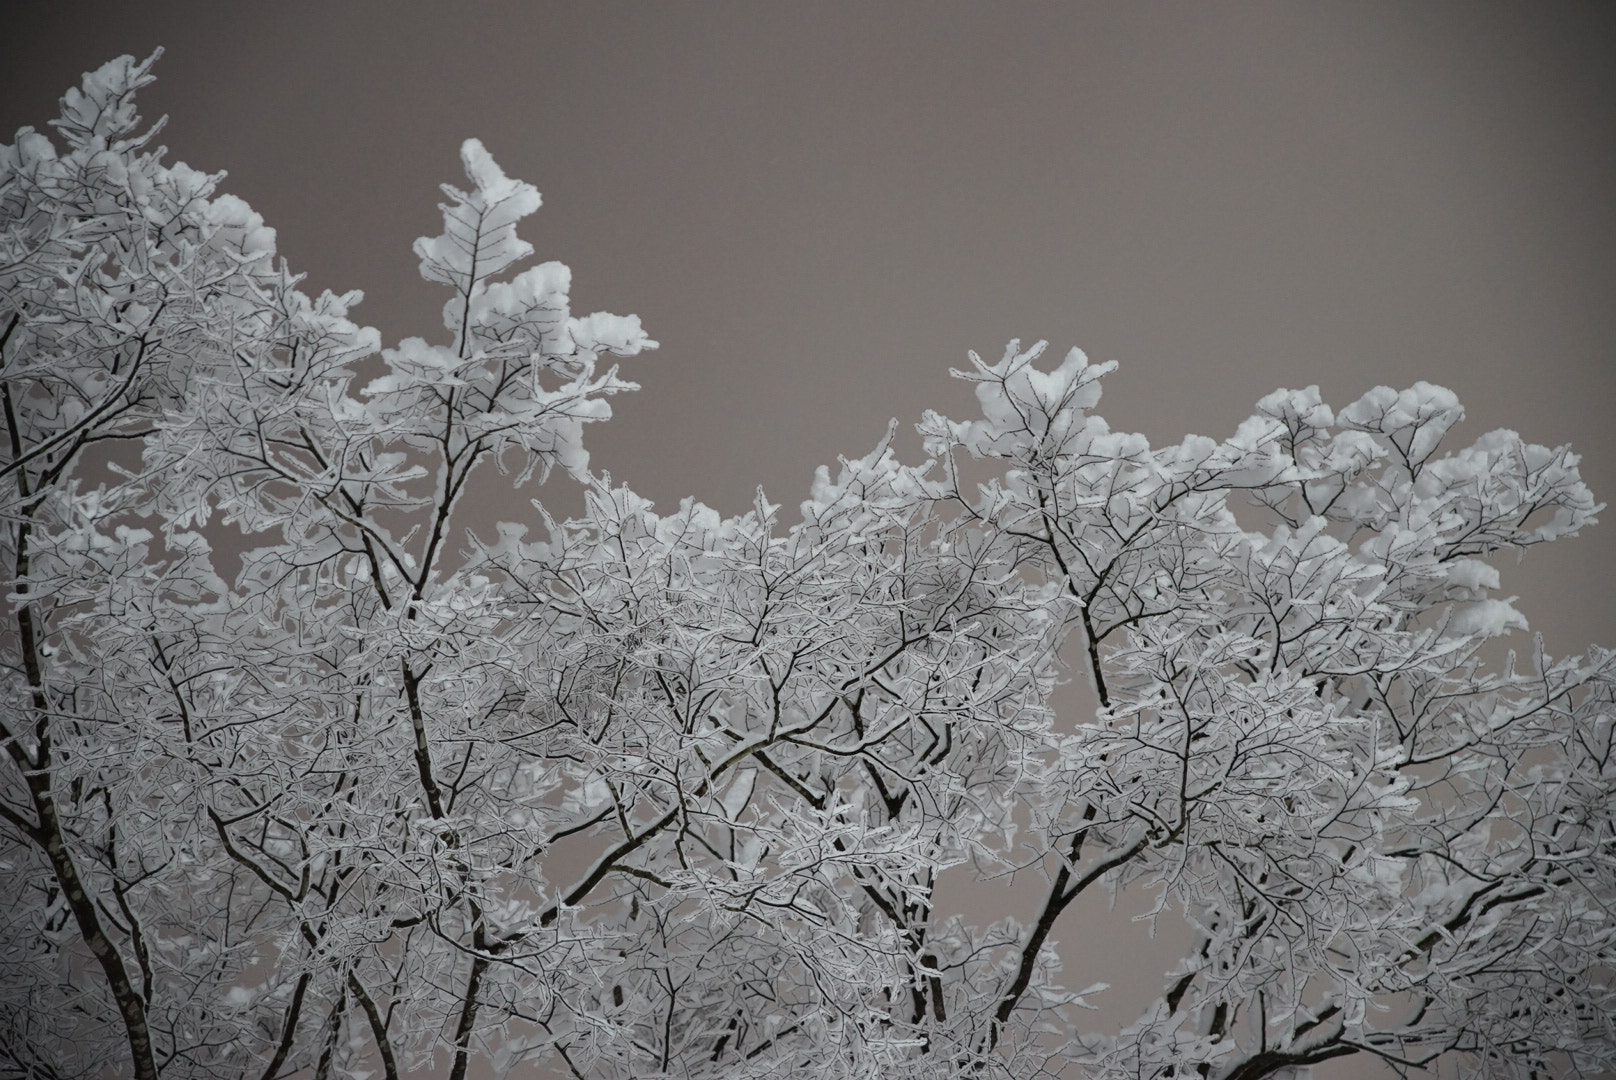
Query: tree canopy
<point x="302" y="777"/>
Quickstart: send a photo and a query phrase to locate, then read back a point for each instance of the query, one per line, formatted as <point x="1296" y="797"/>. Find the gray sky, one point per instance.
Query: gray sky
<point x="818" y="208"/>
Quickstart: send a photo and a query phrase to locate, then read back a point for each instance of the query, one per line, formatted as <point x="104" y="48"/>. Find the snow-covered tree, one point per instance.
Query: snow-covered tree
<point x="648" y="794"/>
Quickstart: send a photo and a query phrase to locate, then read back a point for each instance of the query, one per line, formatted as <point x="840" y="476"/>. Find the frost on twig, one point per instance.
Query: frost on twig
<point x="668" y="794"/>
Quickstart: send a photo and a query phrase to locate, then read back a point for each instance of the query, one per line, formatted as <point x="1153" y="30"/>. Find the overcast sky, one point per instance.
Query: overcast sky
<point x="818" y="208"/>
